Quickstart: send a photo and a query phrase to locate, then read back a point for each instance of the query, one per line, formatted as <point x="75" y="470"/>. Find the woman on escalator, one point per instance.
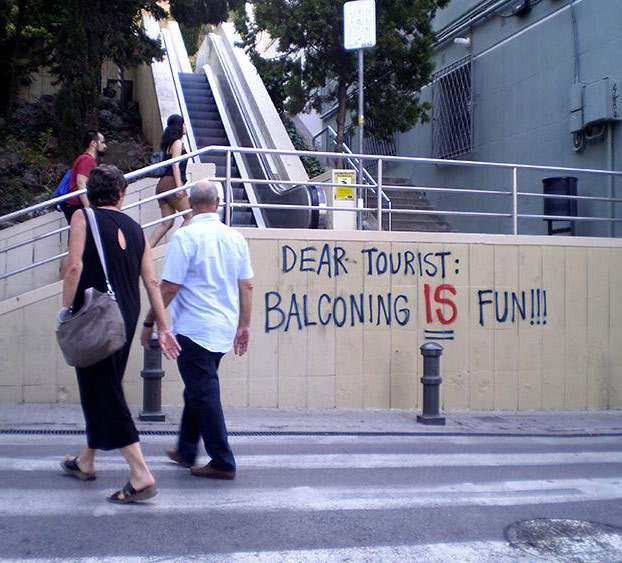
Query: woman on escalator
<point x="174" y="177"/>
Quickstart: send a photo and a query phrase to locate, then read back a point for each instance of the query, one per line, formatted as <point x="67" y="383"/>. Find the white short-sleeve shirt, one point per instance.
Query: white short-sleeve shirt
<point x="207" y="259"/>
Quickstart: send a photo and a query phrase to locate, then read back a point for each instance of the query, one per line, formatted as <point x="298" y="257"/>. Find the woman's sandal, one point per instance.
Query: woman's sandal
<point x="129" y="494"/>
<point x="70" y="466"/>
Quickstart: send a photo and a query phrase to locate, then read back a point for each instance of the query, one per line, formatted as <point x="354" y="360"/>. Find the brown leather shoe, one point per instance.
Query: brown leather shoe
<point x="173" y="455"/>
<point x="211" y="472"/>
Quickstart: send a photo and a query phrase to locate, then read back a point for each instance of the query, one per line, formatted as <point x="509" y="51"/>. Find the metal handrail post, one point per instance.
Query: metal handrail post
<point x="515" y="200"/>
<point x="228" y="191"/>
<point x="379" y="194"/>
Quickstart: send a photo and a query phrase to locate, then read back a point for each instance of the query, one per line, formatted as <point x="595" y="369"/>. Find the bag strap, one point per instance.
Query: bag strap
<point x="90" y="214"/>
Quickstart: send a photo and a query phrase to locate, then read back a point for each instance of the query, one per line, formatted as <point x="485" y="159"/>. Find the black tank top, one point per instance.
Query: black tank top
<point x="182" y="166"/>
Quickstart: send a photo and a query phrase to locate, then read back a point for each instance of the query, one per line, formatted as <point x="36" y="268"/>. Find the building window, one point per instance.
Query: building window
<point x="452" y="110"/>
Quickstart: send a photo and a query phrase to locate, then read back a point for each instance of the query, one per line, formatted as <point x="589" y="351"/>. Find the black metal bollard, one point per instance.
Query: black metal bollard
<point x="152" y="374"/>
<point x="431" y="352"/>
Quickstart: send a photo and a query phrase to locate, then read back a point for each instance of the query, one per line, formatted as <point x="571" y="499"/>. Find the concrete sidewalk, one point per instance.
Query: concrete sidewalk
<point x="56" y="416"/>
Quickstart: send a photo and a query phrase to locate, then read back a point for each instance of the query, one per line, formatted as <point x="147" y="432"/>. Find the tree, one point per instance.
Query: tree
<point x="193" y="15"/>
<point x="24" y="32"/>
<point x="73" y="38"/>
<point x="86" y="34"/>
<point x="197" y="12"/>
<point x="318" y="71"/>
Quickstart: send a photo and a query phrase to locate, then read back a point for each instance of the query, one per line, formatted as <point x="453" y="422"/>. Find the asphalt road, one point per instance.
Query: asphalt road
<point x="301" y="498"/>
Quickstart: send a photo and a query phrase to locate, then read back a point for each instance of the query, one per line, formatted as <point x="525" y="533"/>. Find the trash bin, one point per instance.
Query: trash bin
<point x="560" y="185"/>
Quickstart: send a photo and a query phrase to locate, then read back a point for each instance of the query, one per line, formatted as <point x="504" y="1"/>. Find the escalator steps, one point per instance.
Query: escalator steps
<point x="208" y="130"/>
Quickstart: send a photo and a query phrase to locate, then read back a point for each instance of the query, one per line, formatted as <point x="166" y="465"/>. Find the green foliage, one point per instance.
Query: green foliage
<point x="29" y="172"/>
<point x="312" y="165"/>
<point x="30" y="163"/>
<point x="272" y="72"/>
<point x="191" y="35"/>
<point x="24" y="32"/>
<point x="87" y="34"/>
<point x="318" y="72"/>
<point x="73" y="38"/>
<point x="194" y="17"/>
<point x="196" y="12"/>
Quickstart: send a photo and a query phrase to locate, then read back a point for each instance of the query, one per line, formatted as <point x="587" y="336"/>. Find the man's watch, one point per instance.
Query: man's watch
<point x="148" y="325"/>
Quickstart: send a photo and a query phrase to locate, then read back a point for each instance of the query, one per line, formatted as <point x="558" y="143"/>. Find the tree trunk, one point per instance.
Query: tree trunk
<point x="342" y="93"/>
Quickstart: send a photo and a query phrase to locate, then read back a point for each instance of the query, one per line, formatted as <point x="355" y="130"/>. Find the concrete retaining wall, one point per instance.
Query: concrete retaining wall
<point x="526" y="323"/>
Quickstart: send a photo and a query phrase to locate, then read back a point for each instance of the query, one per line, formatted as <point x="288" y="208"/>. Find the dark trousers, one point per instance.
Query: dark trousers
<point x="202" y="415"/>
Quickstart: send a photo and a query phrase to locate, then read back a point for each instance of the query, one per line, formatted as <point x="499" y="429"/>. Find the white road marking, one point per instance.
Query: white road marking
<point x="341" y="461"/>
<point x="227" y="496"/>
<point x="56" y="439"/>
<point x="463" y="552"/>
<point x="468" y="552"/>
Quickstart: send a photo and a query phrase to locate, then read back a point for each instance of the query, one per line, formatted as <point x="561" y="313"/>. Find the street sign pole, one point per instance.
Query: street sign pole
<point x="359" y="216"/>
<point x="359" y="33"/>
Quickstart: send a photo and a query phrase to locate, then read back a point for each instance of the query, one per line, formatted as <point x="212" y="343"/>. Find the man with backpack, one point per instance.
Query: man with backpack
<point x="94" y="145"/>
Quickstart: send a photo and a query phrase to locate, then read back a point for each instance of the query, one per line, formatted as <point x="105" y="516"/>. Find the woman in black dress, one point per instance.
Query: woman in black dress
<point x="175" y="176"/>
<point x="109" y="424"/>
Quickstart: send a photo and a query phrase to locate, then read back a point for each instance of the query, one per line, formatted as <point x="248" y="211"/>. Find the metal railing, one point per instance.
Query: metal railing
<point x="512" y="193"/>
<point x="354" y="165"/>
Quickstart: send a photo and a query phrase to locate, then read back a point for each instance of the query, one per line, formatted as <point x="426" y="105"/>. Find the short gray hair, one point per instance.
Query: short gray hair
<point x="204" y="194"/>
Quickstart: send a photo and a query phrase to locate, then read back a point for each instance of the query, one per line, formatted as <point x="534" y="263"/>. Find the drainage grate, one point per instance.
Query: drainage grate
<point x="76" y="432"/>
<point x="566" y="540"/>
<point x="429" y="434"/>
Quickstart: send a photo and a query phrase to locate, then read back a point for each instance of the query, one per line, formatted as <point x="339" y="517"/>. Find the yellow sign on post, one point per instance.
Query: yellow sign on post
<point x="346" y="178"/>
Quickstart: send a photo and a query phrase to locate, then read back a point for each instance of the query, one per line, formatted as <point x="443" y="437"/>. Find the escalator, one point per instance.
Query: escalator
<point x="225" y="103"/>
<point x="208" y="129"/>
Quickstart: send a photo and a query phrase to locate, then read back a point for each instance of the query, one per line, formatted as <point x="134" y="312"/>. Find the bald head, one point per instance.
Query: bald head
<point x="204" y="197"/>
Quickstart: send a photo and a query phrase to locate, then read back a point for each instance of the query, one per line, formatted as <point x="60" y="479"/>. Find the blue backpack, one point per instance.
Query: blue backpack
<point x="62" y="189"/>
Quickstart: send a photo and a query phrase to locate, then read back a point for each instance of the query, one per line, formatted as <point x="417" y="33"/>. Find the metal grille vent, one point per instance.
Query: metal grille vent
<point x="452" y="110"/>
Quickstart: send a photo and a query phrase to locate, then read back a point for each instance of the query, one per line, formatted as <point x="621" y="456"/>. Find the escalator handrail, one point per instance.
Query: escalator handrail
<point x="239" y="161"/>
<point x="243" y="110"/>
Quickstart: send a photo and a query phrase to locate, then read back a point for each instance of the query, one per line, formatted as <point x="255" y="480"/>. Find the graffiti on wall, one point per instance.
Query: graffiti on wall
<point x="438" y="297"/>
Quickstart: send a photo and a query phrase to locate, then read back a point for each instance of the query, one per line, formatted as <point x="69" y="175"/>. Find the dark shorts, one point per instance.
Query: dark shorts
<point x="69" y="210"/>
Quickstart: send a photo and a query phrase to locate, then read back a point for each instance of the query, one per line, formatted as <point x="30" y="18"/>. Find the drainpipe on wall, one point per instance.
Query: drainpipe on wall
<point x="610" y="178"/>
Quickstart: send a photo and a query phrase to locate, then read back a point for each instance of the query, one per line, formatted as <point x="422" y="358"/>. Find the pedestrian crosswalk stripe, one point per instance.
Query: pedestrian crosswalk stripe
<point x="219" y="496"/>
<point x="343" y="461"/>
<point x="466" y="552"/>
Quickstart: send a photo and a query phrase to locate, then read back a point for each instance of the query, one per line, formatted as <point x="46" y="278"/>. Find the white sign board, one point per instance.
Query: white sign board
<point x="359" y="24"/>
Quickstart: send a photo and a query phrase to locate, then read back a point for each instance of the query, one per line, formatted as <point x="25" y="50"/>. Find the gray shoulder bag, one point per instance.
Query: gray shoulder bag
<point x="97" y="330"/>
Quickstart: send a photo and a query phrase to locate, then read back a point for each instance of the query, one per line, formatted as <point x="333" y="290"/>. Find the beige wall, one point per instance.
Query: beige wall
<point x="43" y="82"/>
<point x="566" y="354"/>
<point x="145" y="95"/>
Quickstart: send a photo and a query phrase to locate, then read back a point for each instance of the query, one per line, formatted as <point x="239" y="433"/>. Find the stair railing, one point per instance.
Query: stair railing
<point x="354" y="165"/>
<point x="512" y="193"/>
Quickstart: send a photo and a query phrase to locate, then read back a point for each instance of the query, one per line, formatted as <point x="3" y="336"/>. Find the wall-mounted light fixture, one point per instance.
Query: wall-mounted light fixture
<point x="464" y="41"/>
<point x="521" y="7"/>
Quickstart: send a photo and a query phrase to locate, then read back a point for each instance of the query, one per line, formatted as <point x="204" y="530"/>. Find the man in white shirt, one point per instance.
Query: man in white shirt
<point x="207" y="279"/>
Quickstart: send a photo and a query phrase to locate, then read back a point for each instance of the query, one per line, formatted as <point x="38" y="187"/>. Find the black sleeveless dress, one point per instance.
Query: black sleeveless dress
<point x="109" y="424"/>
